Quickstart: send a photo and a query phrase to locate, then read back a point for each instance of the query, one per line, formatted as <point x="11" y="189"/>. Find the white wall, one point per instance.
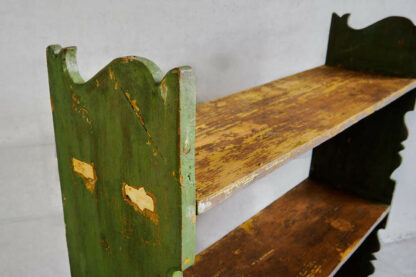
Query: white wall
<point x="231" y="45"/>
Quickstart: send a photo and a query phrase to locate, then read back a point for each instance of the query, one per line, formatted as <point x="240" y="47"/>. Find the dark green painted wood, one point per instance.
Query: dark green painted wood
<point x="386" y="47"/>
<point x="362" y="158"/>
<point x="135" y="127"/>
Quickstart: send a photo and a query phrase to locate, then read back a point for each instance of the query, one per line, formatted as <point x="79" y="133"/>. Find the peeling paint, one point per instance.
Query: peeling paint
<point x="345" y="254"/>
<point x="75" y="98"/>
<point x="138" y="115"/>
<point x="87" y="172"/>
<point x="190" y="213"/>
<point x="340" y="224"/>
<point x="77" y="108"/>
<point x="248" y="226"/>
<point x="187" y="146"/>
<point x="203" y="206"/>
<point x="237" y="251"/>
<point x="52" y="108"/>
<point x="164" y="90"/>
<point x="141" y="200"/>
<point x="263" y="257"/>
<point x="312" y="270"/>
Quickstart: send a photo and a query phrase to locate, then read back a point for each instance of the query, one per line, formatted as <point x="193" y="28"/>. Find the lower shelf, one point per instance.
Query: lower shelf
<point x="310" y="231"/>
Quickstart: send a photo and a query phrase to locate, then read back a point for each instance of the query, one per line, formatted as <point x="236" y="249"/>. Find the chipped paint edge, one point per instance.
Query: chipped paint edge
<point x="186" y="150"/>
<point x="89" y="183"/>
<point x="152" y="215"/>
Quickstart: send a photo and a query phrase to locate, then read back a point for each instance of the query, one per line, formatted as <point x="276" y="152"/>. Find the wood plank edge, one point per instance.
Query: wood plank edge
<point x="357" y="245"/>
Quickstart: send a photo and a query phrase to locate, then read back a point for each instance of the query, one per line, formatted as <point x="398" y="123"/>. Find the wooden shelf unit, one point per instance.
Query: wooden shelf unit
<point x="312" y="229"/>
<point x="139" y="160"/>
<point x="247" y="134"/>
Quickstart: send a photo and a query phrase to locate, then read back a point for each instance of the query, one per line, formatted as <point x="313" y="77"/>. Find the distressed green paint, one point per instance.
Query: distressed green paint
<point x="135" y="127"/>
<point x="386" y="47"/>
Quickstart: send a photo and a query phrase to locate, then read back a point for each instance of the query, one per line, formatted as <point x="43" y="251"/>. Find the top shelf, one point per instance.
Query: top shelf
<point x="247" y="134"/>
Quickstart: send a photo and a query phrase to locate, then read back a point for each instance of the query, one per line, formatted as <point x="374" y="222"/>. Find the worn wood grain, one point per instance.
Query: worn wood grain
<point x="310" y="231"/>
<point x="125" y="147"/>
<point x="243" y="136"/>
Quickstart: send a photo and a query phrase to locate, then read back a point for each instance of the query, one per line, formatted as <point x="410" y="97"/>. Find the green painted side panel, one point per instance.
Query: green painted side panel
<point x="361" y="159"/>
<point x="125" y="144"/>
<point x="387" y="46"/>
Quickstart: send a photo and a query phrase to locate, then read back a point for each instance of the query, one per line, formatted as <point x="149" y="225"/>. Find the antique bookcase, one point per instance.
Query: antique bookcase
<point x="139" y="160"/>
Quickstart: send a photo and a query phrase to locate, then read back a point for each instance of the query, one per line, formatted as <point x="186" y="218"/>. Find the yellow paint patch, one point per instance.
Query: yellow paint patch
<point x="132" y="102"/>
<point x="340" y="224"/>
<point x="75" y="98"/>
<point x="187" y="261"/>
<point x="76" y="106"/>
<point x="142" y="201"/>
<point x="263" y="257"/>
<point x="111" y="74"/>
<point x="140" y="198"/>
<point x="97" y="83"/>
<point x="87" y="172"/>
<point x="248" y="226"/>
<point x="311" y="270"/>
<point x="344" y="254"/>
<point x="164" y="90"/>
<point x="237" y="252"/>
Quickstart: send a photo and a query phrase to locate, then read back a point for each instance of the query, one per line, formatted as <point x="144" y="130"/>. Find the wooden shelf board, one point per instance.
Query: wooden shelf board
<point x="312" y="230"/>
<point x="245" y="135"/>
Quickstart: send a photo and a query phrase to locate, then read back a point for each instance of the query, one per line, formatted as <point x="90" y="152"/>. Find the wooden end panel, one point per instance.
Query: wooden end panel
<point x="125" y="148"/>
<point x="385" y="47"/>
<point x="310" y="231"/>
<point x="245" y="135"/>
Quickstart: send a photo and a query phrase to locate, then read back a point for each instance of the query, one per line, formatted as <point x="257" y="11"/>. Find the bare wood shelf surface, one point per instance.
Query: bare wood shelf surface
<point x="312" y="230"/>
<point x="245" y="135"/>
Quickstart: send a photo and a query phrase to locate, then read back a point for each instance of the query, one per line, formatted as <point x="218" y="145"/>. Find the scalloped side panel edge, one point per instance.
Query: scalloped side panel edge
<point x="386" y="47"/>
<point x="70" y="67"/>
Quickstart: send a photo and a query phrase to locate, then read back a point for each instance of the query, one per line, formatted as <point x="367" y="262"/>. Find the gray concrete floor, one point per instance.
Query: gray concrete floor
<point x="396" y="259"/>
